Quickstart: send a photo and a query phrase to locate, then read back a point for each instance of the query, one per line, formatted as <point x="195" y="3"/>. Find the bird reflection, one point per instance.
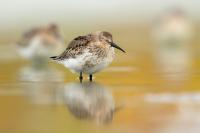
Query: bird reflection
<point x="41" y="87"/>
<point x="90" y="101"/>
<point x="185" y="115"/>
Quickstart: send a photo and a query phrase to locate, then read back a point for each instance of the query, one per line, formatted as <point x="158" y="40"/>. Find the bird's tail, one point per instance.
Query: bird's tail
<point x="54" y="57"/>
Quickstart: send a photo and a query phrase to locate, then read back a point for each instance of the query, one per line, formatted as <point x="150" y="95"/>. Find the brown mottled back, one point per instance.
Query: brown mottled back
<point x="77" y="46"/>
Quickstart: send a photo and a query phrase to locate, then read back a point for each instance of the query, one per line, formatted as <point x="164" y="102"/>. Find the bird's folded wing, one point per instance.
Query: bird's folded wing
<point x="75" y="47"/>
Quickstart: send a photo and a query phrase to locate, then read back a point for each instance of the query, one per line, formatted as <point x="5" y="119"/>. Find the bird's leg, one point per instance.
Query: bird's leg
<point x="81" y="77"/>
<point x="90" y="77"/>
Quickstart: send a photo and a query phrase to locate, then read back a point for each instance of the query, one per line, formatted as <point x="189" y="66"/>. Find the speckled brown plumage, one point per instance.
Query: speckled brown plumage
<point x="75" y="47"/>
<point x="79" y="44"/>
<point x="88" y="54"/>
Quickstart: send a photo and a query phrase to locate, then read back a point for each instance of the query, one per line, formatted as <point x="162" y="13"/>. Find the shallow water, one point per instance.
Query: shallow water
<point x="129" y="96"/>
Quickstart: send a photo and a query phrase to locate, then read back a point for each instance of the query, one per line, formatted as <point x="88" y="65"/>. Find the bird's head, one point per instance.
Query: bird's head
<point x="107" y="37"/>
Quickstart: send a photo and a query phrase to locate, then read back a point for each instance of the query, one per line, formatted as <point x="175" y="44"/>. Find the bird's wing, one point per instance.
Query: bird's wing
<point x="75" y="47"/>
<point x="79" y="41"/>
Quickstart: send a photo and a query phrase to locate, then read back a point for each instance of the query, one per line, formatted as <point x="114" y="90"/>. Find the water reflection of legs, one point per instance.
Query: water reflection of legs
<point x="89" y="101"/>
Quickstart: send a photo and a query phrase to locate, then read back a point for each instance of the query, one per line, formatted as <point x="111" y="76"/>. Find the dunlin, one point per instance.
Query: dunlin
<point x="88" y="54"/>
<point x="40" y="42"/>
<point x="172" y="48"/>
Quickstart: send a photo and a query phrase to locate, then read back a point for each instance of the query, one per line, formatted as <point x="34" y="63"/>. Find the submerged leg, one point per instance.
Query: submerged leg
<point x="90" y="77"/>
<point x="81" y="77"/>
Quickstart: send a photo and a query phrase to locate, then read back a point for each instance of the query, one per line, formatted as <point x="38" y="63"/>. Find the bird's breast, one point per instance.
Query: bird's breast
<point x="98" y="61"/>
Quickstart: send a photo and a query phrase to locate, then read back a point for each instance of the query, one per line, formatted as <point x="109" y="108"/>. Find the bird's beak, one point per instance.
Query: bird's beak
<point x="116" y="46"/>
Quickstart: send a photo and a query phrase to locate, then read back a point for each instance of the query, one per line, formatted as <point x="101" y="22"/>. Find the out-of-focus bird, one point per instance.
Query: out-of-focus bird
<point x="172" y="25"/>
<point x="172" y="49"/>
<point x="40" y="43"/>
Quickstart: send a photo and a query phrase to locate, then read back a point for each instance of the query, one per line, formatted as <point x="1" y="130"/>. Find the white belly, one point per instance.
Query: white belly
<point x="89" y="63"/>
<point x="35" y="48"/>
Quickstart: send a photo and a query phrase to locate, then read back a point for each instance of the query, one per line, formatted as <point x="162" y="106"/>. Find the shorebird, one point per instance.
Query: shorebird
<point x="88" y="54"/>
<point x="173" y="26"/>
<point x="172" y="48"/>
<point x="40" y="42"/>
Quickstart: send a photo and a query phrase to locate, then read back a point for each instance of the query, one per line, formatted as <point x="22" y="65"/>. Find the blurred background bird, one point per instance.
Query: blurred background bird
<point x="172" y="48"/>
<point x="39" y="43"/>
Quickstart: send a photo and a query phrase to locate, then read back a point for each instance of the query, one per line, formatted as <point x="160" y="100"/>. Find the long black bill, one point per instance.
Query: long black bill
<point x="117" y="47"/>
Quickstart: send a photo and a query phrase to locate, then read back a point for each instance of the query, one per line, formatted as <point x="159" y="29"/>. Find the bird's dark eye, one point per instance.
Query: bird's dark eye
<point x="108" y="41"/>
